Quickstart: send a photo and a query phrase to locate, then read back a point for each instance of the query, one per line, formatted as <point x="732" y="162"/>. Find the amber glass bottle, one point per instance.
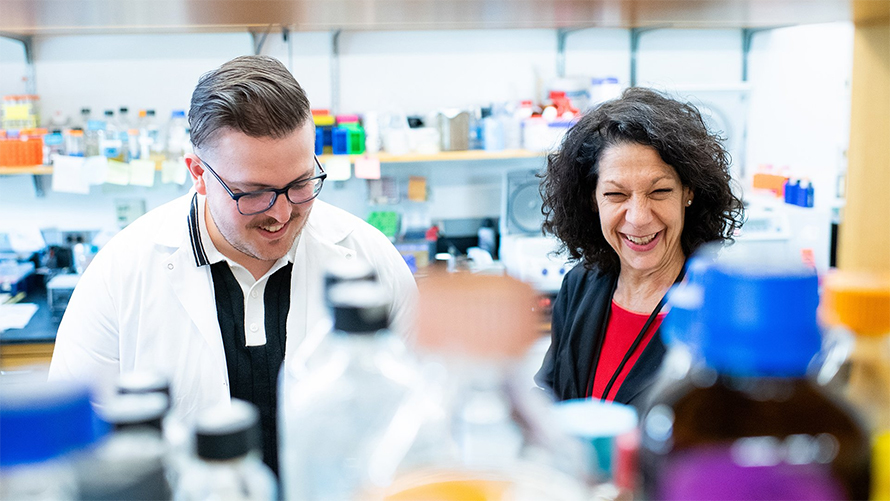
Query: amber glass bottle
<point x="749" y="424"/>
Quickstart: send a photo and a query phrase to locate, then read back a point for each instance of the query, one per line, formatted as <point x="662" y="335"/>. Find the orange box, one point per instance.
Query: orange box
<point x="770" y="182"/>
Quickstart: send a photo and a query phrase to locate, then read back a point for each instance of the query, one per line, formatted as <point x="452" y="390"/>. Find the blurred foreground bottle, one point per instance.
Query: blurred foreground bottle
<point x="749" y="424"/>
<point x="857" y="306"/>
<point x="229" y="465"/>
<point x="339" y="407"/>
<point x="478" y="432"/>
<point x="130" y="464"/>
<point x="42" y="427"/>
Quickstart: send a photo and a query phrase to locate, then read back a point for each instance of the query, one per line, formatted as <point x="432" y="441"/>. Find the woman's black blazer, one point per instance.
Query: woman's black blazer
<point x="577" y="336"/>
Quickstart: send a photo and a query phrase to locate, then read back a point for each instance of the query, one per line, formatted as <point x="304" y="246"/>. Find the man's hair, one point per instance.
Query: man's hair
<point x="677" y="132"/>
<point x="255" y="95"/>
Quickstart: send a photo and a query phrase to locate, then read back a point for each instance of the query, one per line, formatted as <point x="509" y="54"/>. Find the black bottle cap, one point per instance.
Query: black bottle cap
<point x="129" y="411"/>
<point x="226" y="432"/>
<point x="139" y="382"/>
<point x="359" y="307"/>
<point x="347" y="270"/>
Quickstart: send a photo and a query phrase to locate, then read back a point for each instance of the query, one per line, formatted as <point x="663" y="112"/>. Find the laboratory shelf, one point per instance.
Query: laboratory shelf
<point x="444" y="156"/>
<point x="26" y="169"/>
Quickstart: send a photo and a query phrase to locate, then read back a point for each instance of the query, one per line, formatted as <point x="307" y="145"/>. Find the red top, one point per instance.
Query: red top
<point x="623" y="328"/>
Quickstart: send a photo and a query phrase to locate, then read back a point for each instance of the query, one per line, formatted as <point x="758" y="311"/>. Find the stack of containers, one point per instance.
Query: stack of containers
<point x="348" y="137"/>
<point x="324" y="128"/>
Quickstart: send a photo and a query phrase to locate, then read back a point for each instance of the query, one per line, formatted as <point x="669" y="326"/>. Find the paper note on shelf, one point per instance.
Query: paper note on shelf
<point x="69" y="175"/>
<point x="417" y="189"/>
<point x="96" y="168"/>
<point x="367" y="168"/>
<point x="142" y="173"/>
<point x="338" y="168"/>
<point x="174" y="171"/>
<point x="118" y="173"/>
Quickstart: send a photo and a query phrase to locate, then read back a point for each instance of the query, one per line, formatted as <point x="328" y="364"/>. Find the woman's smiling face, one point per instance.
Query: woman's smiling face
<point x="642" y="205"/>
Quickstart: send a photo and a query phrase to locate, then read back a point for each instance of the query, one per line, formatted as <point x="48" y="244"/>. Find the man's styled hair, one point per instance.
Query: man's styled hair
<point x="255" y="95"/>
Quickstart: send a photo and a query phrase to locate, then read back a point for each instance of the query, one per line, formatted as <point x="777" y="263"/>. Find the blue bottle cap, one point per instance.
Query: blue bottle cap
<point x="41" y="421"/>
<point x="760" y="320"/>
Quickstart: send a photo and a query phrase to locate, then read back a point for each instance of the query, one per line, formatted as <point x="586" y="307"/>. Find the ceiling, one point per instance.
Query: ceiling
<point x="55" y="17"/>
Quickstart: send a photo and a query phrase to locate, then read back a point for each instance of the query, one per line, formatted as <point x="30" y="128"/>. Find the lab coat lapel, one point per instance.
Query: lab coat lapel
<point x="307" y="308"/>
<point x="193" y="287"/>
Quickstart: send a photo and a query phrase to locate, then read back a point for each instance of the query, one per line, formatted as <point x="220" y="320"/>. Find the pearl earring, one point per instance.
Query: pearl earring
<point x="688" y="203"/>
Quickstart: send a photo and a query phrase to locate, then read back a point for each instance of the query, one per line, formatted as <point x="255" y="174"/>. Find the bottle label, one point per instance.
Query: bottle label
<point x="754" y="468"/>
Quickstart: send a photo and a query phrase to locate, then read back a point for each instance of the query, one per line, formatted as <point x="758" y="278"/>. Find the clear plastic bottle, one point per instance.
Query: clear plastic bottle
<point x="753" y="426"/>
<point x="123" y="118"/>
<point x="352" y="394"/>
<point x="152" y="131"/>
<point x="41" y="426"/>
<point x="229" y="465"/>
<point x="85" y="116"/>
<point x="479" y="432"/>
<point x="177" y="140"/>
<point x="74" y="142"/>
<point x="110" y="143"/>
<point x="130" y="464"/>
<point x="93" y="135"/>
<point x="177" y="432"/>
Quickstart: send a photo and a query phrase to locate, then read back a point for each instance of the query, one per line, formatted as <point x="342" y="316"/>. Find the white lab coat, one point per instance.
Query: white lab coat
<point x="144" y="304"/>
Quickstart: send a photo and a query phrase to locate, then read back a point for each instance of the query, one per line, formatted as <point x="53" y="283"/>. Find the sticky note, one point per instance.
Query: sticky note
<point x="69" y="175"/>
<point x="96" y="168"/>
<point x="174" y="171"/>
<point x="338" y="168"/>
<point x="417" y="189"/>
<point x="367" y="168"/>
<point x="142" y="173"/>
<point x="118" y="173"/>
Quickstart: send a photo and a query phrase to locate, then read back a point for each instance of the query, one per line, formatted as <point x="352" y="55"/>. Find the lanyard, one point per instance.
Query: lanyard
<point x="637" y="341"/>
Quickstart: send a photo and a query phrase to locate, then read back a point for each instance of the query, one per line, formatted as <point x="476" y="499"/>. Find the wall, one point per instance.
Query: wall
<point x="797" y="117"/>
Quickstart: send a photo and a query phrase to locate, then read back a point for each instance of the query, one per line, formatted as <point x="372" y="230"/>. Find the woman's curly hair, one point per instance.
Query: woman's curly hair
<point x="679" y="135"/>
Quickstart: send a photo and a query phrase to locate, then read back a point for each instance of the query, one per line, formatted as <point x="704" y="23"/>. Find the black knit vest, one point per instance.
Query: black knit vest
<point x="253" y="370"/>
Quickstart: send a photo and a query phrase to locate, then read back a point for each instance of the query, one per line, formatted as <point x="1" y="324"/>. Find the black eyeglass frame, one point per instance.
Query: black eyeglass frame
<point x="278" y="191"/>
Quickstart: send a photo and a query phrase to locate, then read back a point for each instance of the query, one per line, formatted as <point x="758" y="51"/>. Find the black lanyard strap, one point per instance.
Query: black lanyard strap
<point x="638" y="340"/>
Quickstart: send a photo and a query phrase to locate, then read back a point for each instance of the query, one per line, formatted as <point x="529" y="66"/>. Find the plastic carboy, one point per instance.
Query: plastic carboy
<point x="749" y="423"/>
<point x="341" y="405"/>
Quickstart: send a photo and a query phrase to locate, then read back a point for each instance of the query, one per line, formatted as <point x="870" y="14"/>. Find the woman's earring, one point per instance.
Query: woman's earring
<point x="688" y="203"/>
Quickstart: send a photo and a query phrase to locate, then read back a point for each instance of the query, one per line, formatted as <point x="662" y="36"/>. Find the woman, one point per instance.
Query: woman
<point x="638" y="185"/>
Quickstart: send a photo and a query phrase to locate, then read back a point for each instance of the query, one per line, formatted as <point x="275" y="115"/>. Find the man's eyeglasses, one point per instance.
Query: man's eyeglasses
<point x="255" y="202"/>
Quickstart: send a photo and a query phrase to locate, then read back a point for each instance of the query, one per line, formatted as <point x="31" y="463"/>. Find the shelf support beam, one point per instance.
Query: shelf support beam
<point x="747" y="40"/>
<point x="561" y="35"/>
<point x="27" y="42"/>
<point x="635" y="34"/>
<point x="335" y="72"/>
<point x="259" y="39"/>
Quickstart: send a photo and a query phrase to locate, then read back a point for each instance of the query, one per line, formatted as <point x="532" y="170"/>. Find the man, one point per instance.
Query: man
<point x="213" y="289"/>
